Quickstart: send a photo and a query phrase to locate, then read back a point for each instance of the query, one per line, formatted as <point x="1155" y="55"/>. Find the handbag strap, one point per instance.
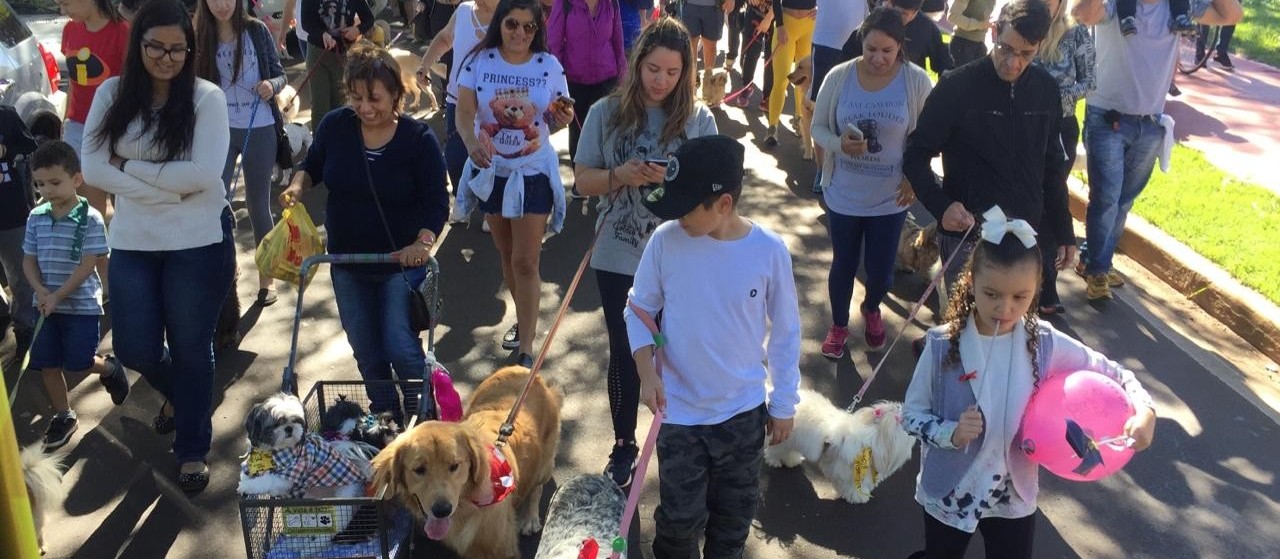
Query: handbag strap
<point x="377" y="202"/>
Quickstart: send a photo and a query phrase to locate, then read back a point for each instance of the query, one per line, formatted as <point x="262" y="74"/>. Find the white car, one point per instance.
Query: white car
<point x="29" y="76"/>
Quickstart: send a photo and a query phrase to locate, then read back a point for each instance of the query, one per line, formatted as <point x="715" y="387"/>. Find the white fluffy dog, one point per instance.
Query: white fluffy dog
<point x="855" y="451"/>
<point x="43" y="476"/>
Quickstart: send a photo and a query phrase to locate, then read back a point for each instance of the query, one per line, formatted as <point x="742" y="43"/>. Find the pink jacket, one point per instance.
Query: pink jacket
<point x="589" y="48"/>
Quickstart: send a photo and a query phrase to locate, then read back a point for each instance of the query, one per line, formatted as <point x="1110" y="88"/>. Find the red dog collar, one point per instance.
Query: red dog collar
<point x="500" y="478"/>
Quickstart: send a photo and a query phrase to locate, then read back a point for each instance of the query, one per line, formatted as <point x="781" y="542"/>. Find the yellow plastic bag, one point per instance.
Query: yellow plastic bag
<point x="293" y="239"/>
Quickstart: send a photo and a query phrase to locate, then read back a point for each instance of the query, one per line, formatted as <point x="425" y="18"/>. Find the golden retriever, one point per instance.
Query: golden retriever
<point x="422" y="98"/>
<point x="802" y="79"/>
<point x="440" y="470"/>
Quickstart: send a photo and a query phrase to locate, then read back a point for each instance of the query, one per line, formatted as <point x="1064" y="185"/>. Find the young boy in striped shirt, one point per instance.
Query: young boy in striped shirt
<point x="64" y="239"/>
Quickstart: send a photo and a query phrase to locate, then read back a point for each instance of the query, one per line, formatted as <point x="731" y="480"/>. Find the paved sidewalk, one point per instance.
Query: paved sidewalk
<point x="1232" y="118"/>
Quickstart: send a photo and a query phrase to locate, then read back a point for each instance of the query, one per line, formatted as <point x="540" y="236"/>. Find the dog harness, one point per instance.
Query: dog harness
<point x="499" y="477"/>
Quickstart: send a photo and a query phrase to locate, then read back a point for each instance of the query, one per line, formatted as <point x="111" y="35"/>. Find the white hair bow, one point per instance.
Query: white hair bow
<point x="996" y="225"/>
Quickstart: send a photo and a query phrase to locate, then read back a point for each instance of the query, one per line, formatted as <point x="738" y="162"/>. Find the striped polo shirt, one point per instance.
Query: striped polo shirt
<point x="59" y="244"/>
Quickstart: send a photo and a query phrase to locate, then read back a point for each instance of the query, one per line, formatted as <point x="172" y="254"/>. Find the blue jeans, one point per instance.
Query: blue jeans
<point x="1120" y="163"/>
<point x="849" y="236"/>
<point x="455" y="152"/>
<point x="374" y="310"/>
<point x="174" y="296"/>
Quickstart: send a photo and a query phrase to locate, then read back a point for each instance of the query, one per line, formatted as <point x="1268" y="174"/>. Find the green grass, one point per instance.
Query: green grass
<point x="1258" y="34"/>
<point x="1233" y="223"/>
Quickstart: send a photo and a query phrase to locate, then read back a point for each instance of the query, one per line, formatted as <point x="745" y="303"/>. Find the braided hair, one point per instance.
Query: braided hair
<point x="994" y="257"/>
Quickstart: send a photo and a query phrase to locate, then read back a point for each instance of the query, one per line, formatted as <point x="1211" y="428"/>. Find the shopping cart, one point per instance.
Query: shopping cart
<point x="279" y="528"/>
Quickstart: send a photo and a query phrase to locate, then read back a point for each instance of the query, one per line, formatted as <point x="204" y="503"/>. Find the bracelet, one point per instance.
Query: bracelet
<point x="121" y="165"/>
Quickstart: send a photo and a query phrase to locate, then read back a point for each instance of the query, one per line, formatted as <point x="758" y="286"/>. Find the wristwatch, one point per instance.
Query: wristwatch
<point x="121" y="165"/>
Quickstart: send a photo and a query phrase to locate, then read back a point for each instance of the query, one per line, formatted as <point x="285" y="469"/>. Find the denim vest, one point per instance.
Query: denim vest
<point x="941" y="469"/>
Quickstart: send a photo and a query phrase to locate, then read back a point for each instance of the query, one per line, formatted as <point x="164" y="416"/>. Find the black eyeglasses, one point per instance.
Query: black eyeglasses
<point x="512" y="24"/>
<point x="157" y="52"/>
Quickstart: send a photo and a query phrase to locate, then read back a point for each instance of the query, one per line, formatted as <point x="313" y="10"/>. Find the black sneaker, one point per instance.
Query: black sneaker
<point x="622" y="463"/>
<point x="525" y="360"/>
<point x="511" y="340"/>
<point x="1128" y="26"/>
<point x="1224" y="61"/>
<point x="60" y="429"/>
<point x="117" y="384"/>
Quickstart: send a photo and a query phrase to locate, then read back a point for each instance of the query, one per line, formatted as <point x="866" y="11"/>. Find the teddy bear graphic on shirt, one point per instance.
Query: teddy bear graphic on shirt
<point x="515" y="130"/>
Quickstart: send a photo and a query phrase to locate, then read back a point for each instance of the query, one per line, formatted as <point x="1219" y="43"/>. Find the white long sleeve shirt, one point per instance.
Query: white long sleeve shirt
<point x="719" y="301"/>
<point x="162" y="205"/>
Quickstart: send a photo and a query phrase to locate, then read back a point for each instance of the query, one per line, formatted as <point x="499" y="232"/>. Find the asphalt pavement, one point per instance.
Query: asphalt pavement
<point x="1206" y="489"/>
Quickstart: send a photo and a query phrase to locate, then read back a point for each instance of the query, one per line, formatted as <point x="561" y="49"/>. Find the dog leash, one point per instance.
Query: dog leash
<point x="26" y="359"/>
<point x="508" y="425"/>
<point x="650" y="440"/>
<point x="915" y="308"/>
<point x="767" y="61"/>
<point x="244" y="149"/>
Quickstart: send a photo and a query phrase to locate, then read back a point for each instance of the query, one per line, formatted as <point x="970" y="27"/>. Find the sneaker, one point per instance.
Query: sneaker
<point x="1128" y="26"/>
<point x="771" y="137"/>
<point x="1097" y="287"/>
<point x="60" y="429"/>
<point x="1114" y="279"/>
<point x="575" y="194"/>
<point x="833" y="346"/>
<point x="743" y="99"/>
<point x="1224" y="61"/>
<point x="511" y="339"/>
<point x="116" y="383"/>
<point x="729" y="61"/>
<point x="525" y="360"/>
<point x="1183" y="25"/>
<point x="622" y="463"/>
<point x="873" y="331"/>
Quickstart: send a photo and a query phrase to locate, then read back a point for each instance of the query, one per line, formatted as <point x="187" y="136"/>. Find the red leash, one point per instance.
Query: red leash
<point x="772" y="54"/>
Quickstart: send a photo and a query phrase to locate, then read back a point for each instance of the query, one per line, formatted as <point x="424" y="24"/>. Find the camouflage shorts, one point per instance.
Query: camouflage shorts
<point x="689" y="459"/>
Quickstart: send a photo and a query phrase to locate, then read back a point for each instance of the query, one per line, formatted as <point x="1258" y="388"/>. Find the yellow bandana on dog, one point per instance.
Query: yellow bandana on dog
<point x="260" y="462"/>
<point x="860" y="466"/>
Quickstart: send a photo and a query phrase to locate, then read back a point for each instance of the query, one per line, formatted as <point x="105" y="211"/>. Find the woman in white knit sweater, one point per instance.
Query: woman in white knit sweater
<point x="157" y="139"/>
<point x="865" y="109"/>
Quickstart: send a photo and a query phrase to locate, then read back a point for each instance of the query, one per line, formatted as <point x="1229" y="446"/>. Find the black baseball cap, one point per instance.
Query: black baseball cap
<point x="699" y="168"/>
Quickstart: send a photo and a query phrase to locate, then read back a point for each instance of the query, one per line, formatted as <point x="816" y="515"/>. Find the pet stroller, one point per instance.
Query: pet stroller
<point x="365" y="527"/>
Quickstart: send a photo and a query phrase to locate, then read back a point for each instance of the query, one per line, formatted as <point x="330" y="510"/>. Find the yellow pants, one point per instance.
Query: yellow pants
<point x="799" y="45"/>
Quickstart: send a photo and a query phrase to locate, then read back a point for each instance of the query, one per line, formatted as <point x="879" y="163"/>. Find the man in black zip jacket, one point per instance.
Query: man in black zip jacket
<point x="995" y="122"/>
<point x="331" y="27"/>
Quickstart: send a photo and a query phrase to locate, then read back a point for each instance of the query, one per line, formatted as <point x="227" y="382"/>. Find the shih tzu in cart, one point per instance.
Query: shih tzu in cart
<point x="285" y="460"/>
<point x="347" y="421"/>
<point x="856" y="451"/>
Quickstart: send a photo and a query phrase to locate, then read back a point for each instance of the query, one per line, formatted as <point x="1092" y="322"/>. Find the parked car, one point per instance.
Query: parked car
<point x="29" y="76"/>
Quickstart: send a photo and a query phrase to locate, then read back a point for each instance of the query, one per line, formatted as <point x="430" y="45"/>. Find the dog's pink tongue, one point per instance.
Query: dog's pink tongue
<point x="436" y="528"/>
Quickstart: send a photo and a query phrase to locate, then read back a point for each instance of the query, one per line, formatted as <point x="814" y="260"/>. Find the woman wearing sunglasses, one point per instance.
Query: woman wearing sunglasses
<point x="157" y="137"/>
<point x="511" y="95"/>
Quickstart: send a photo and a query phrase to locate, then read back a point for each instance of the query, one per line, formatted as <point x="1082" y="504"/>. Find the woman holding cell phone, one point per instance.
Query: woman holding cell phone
<point x="512" y="95"/>
<point x="621" y="155"/>
<point x="865" y="109"/>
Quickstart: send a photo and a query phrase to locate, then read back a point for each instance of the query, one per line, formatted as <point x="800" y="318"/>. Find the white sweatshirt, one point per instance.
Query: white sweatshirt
<point x="718" y="299"/>
<point x="161" y="205"/>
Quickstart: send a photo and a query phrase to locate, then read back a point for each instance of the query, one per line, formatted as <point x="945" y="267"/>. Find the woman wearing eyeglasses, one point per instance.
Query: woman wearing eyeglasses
<point x="512" y="94"/>
<point x="157" y="137"/>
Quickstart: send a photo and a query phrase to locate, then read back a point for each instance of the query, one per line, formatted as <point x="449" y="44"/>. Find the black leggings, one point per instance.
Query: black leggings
<point x="1005" y="538"/>
<point x="624" y="382"/>
<point x="585" y="95"/>
<point x="752" y="51"/>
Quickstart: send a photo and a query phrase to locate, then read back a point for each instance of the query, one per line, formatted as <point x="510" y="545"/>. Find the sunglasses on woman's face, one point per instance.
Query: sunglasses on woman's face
<point x="511" y="24"/>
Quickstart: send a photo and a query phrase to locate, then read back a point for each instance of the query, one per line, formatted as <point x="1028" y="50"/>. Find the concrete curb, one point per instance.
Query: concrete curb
<point x="1246" y="312"/>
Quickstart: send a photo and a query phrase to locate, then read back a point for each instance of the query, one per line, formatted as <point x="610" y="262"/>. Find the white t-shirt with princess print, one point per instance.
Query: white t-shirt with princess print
<point x="512" y="99"/>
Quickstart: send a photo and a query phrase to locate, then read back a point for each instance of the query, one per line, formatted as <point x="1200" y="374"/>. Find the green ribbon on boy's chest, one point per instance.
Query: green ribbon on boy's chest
<point x="78" y="214"/>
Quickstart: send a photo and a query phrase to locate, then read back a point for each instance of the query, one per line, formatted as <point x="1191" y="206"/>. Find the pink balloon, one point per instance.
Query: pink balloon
<point x="1074" y="426"/>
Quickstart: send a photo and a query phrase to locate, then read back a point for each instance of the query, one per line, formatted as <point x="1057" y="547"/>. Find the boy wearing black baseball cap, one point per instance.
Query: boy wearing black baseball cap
<point x="722" y="283"/>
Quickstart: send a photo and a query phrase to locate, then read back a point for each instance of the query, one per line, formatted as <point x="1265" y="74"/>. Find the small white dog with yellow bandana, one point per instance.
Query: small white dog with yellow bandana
<point x="856" y="451"/>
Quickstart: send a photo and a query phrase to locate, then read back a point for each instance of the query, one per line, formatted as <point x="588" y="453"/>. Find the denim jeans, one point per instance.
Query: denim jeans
<point x="173" y="297"/>
<point x="374" y="310"/>
<point x="1121" y="159"/>
<point x="455" y="152"/>
<point x="872" y="240"/>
